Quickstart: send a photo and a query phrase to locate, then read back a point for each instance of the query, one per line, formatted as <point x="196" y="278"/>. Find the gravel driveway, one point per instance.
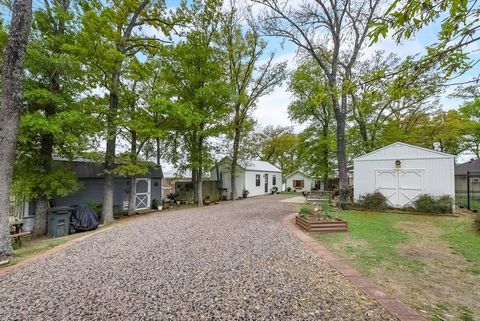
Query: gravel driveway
<point x="233" y="261"/>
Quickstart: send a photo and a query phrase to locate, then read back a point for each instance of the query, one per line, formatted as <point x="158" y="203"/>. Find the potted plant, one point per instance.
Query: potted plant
<point x="313" y="219"/>
<point x="245" y="193"/>
<point x="157" y="204"/>
<point x="206" y="201"/>
<point x="274" y="190"/>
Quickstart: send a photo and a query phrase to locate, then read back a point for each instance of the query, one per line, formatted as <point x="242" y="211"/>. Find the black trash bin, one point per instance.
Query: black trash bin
<point x="59" y="221"/>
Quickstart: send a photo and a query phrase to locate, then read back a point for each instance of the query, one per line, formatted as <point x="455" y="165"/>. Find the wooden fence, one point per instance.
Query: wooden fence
<point x="210" y="190"/>
<point x="18" y="208"/>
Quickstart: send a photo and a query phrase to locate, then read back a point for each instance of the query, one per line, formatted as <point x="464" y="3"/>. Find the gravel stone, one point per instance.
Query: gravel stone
<point x="232" y="261"/>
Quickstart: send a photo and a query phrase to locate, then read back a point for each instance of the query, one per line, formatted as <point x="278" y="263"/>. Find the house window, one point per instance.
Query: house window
<point x="298" y="183"/>
<point x="257" y="180"/>
<point x="274" y="180"/>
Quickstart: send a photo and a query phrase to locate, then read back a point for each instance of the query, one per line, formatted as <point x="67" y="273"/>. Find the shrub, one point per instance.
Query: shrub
<point x="428" y="204"/>
<point x="445" y="204"/>
<point x="305" y="210"/>
<point x="327" y="209"/>
<point x="289" y="189"/>
<point x="172" y="196"/>
<point x="96" y="207"/>
<point x="375" y="201"/>
<point x="156" y="204"/>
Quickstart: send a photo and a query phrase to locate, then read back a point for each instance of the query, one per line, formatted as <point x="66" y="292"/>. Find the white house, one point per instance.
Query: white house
<point x="257" y="177"/>
<point x="402" y="172"/>
<point x="300" y="181"/>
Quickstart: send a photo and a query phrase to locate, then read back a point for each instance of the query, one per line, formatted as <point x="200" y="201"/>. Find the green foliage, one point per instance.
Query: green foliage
<point x="193" y="85"/>
<point x="428" y="204"/>
<point x="278" y="145"/>
<point x="56" y="121"/>
<point x="470" y="111"/>
<point x="172" y="196"/>
<point x="312" y="105"/>
<point x="459" y="28"/>
<point x="375" y="201"/>
<point x="305" y="211"/>
<point x="32" y="181"/>
<point x="156" y="204"/>
<point x="327" y="210"/>
<point x="96" y="207"/>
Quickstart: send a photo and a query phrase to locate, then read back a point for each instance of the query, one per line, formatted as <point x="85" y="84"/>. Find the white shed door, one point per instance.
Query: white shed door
<point x="401" y="186"/>
<point x="143" y="193"/>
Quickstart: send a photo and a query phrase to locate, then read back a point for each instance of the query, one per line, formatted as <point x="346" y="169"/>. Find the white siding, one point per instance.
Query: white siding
<point x="402" y="151"/>
<point x="309" y="183"/>
<point x="224" y="170"/>
<point x="437" y="169"/>
<point x="245" y="179"/>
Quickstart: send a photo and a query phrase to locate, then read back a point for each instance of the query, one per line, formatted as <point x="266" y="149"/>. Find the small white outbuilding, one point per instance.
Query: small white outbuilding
<point x="256" y="176"/>
<point x="299" y="181"/>
<point x="402" y="172"/>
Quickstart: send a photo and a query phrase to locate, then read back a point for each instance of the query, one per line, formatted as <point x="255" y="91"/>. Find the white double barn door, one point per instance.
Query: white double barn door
<point x="400" y="186"/>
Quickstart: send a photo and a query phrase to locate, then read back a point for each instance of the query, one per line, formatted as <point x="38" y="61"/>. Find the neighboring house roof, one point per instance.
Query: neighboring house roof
<point x="261" y="166"/>
<point x="472" y="166"/>
<point x="253" y="165"/>
<point x="84" y="168"/>
<point x="401" y="150"/>
<point x="174" y="173"/>
<point x="297" y="171"/>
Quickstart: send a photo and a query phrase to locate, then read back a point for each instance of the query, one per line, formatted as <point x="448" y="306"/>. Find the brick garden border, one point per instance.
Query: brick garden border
<point x="394" y="306"/>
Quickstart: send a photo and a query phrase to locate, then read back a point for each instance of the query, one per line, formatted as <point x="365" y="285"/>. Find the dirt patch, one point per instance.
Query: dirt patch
<point x="430" y="277"/>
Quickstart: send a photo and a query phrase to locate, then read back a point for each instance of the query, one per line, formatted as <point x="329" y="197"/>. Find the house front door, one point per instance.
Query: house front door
<point x="266" y="183"/>
<point x="143" y="193"/>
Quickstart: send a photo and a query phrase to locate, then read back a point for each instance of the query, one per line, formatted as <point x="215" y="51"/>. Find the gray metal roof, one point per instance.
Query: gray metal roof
<point x="90" y="169"/>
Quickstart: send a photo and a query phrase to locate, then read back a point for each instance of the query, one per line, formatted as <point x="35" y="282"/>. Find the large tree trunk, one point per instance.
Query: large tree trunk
<point x="46" y="151"/>
<point x="158" y="151"/>
<point x="325" y="156"/>
<point x="200" y="173"/>
<point x="12" y="92"/>
<point x="199" y="187"/>
<point x="41" y="213"/>
<point x="107" y="206"/>
<point x="233" y="169"/>
<point x="132" y="196"/>
<point x="133" y="184"/>
<point x="340" y="115"/>
<point x="194" y="182"/>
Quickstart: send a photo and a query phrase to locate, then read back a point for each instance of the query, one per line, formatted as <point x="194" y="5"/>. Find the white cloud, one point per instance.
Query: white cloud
<point x="273" y="108"/>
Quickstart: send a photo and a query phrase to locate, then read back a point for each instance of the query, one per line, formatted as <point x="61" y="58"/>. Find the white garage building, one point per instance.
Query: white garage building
<point x="402" y="172"/>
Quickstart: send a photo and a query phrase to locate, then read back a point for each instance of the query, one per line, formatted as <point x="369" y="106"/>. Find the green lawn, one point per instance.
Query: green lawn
<point x="431" y="263"/>
<point x="291" y="193"/>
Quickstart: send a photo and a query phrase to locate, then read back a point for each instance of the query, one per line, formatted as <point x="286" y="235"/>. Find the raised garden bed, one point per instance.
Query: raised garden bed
<point x="313" y="224"/>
